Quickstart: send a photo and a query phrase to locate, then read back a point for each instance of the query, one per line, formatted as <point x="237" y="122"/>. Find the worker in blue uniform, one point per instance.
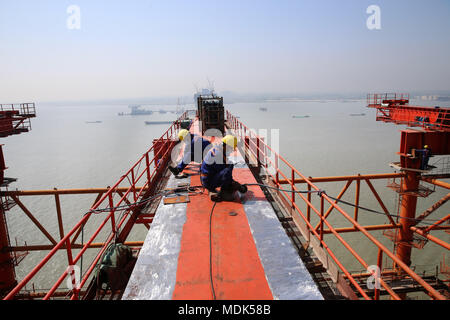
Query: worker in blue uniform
<point x="217" y="172"/>
<point x="424" y="156"/>
<point x="194" y="149"/>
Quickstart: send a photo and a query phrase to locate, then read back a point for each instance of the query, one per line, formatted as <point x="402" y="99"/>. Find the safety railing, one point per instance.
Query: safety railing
<point x="394" y="107"/>
<point x="21" y="109"/>
<point x="282" y="173"/>
<point x="117" y="205"/>
<point x="440" y="167"/>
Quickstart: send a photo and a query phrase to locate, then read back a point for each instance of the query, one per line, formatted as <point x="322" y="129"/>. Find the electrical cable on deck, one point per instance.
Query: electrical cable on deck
<point x="384" y="213"/>
<point x="192" y="189"/>
<point x="128" y="206"/>
<point x="319" y="193"/>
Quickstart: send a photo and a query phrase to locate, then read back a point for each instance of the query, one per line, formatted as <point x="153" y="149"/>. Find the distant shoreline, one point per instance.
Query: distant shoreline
<point x="312" y="100"/>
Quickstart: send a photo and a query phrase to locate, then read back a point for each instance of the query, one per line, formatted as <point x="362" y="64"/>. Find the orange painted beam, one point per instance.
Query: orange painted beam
<point x="436" y="182"/>
<point x="236" y="269"/>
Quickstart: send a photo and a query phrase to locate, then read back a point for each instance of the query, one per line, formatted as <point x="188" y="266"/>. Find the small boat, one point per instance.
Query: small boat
<point x="263" y="109"/>
<point x="136" y="111"/>
<point x="357" y="114"/>
<point x="158" y="122"/>
<point x="299" y="117"/>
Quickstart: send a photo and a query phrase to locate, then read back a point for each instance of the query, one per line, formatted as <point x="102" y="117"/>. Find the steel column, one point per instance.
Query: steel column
<point x="410" y="184"/>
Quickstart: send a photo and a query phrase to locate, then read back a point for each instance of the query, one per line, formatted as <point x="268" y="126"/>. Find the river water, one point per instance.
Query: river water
<point x="64" y="151"/>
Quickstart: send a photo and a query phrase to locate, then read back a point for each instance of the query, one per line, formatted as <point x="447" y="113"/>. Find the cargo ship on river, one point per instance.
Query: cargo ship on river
<point x="136" y="110"/>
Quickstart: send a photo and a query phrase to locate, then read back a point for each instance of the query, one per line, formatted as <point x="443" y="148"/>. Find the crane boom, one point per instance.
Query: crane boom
<point x="395" y="108"/>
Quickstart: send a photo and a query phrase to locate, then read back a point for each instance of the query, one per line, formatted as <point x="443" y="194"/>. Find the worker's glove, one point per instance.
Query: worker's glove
<point x="243" y="188"/>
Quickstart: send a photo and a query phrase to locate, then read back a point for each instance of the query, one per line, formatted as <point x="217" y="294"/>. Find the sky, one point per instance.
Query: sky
<point x="145" y="48"/>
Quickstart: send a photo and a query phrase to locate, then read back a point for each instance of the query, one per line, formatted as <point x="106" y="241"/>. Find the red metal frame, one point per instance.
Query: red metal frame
<point x="392" y="107"/>
<point x="281" y="166"/>
<point x="15" y="118"/>
<point x="144" y="172"/>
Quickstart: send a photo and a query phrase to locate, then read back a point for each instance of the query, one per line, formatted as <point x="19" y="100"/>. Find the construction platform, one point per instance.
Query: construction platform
<point x="249" y="257"/>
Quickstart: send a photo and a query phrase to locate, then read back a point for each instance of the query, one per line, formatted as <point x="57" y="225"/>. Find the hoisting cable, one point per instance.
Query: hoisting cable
<point x="384" y="213"/>
<point x="192" y="188"/>
<point x="124" y="208"/>
<point x="210" y="252"/>
<point x="320" y="192"/>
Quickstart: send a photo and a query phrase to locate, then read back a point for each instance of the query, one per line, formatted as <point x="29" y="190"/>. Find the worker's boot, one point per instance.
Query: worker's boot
<point x="175" y="170"/>
<point x="242" y="188"/>
<point x="214" y="196"/>
<point x="226" y="195"/>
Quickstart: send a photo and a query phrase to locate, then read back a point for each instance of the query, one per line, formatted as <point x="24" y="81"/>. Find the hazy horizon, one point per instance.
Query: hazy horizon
<point x="234" y="97"/>
<point x="142" y="49"/>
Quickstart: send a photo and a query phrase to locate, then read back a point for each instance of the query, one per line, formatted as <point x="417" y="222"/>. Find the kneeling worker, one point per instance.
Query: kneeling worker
<point x="215" y="172"/>
<point x="425" y="155"/>
<point x="191" y="150"/>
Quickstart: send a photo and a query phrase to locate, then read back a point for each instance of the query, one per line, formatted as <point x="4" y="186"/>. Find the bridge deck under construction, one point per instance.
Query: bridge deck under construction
<point x="247" y="256"/>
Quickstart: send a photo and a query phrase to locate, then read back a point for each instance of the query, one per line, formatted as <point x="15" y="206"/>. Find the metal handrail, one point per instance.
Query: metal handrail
<point x="410" y="112"/>
<point x="242" y="131"/>
<point x="378" y="98"/>
<point x="149" y="171"/>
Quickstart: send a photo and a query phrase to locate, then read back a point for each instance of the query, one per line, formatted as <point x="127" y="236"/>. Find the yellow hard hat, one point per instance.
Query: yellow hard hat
<point x="182" y="134"/>
<point x="426" y="146"/>
<point x="230" y="140"/>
